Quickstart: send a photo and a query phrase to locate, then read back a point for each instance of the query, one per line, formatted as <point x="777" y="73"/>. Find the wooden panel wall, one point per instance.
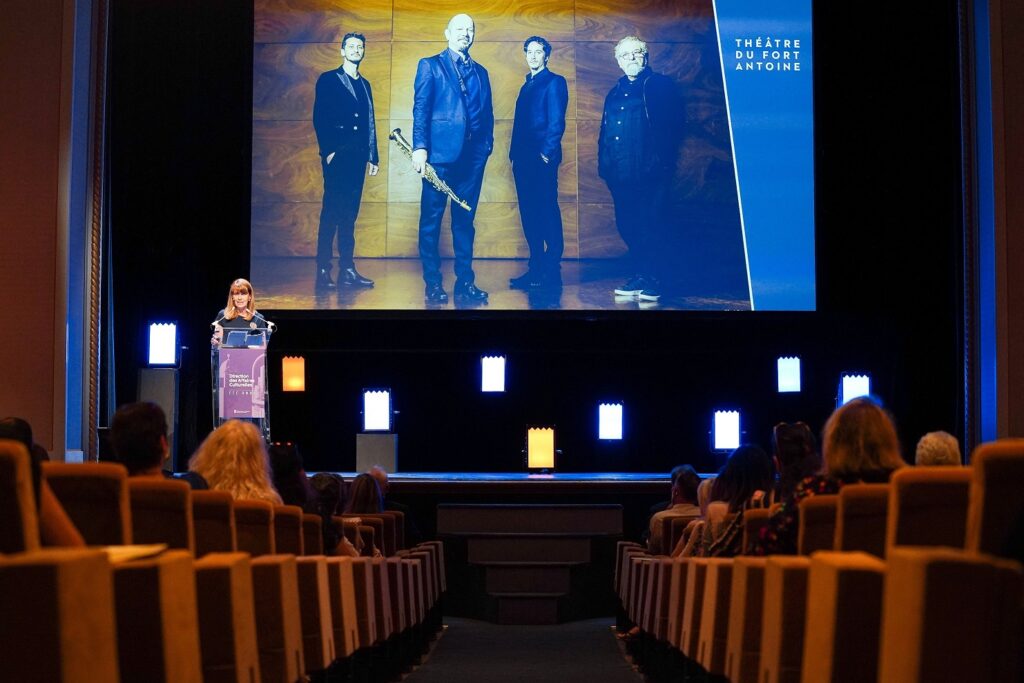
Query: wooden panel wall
<point x="296" y="40"/>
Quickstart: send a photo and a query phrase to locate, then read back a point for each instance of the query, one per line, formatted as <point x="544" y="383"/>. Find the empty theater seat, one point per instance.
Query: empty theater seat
<point x="928" y="506"/>
<point x="254" y="523"/>
<point x="162" y="512"/>
<point x="817" y="523"/>
<point x="861" y="518"/>
<point x="19" y="525"/>
<point x="213" y="518"/>
<point x="995" y="518"/>
<point x="95" y="496"/>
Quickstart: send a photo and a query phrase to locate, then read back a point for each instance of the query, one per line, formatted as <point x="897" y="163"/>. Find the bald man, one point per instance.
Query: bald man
<point x="453" y="129"/>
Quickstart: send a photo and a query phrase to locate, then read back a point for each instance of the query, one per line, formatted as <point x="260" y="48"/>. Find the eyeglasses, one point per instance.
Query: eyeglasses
<point x="635" y="54"/>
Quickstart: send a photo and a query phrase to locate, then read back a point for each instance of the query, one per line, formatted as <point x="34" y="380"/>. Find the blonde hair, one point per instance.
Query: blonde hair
<point x="233" y="458"/>
<point x="229" y="310"/>
<point x="860" y="437"/>
<point x="937" y="448"/>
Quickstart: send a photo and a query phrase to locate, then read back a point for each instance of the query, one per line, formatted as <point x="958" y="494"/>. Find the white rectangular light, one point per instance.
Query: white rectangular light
<point x="492" y="373"/>
<point x="376" y="410"/>
<point x="163" y="343"/>
<point x="726" y="430"/>
<point x="609" y="421"/>
<point x="852" y="386"/>
<point x="789" y="374"/>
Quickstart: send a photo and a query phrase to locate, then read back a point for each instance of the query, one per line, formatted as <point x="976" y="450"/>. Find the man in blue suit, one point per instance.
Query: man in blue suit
<point x="536" y="152"/>
<point x="453" y="129"/>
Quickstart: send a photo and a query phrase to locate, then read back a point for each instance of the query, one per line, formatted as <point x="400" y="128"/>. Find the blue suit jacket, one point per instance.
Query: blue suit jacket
<point x="540" y="118"/>
<point x="439" y="115"/>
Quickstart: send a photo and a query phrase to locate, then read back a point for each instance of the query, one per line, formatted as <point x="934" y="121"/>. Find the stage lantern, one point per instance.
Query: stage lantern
<point x="725" y="430"/>
<point x="789" y="374"/>
<point x="609" y="421"/>
<point x="293" y="373"/>
<point x="163" y="343"/>
<point x="492" y="373"/>
<point x="853" y="385"/>
<point x="377" y="410"/>
<point x="540" y="448"/>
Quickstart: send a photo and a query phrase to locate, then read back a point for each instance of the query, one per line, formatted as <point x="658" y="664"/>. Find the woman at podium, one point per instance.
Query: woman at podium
<point x="239" y="313"/>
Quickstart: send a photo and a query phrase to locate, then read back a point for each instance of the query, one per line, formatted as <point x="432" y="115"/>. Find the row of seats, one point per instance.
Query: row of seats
<point x="906" y="581"/>
<point x="204" y="611"/>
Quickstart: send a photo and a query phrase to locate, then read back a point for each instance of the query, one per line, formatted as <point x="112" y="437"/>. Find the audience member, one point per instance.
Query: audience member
<point x="682" y="504"/>
<point x="138" y="435"/>
<point x="412" y="531"/>
<point x="937" y="448"/>
<point x="289" y="474"/>
<point x="364" y="496"/>
<point x="55" y="527"/>
<point x="743" y="483"/>
<point x="859" y="444"/>
<point x="233" y="458"/>
<point x="795" y="453"/>
<point x="328" y="494"/>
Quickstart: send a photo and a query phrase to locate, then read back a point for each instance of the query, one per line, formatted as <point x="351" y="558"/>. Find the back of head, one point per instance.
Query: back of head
<point x="686" y="480"/>
<point x="289" y="475"/>
<point x="747" y="470"/>
<point x="364" y="496"/>
<point x="233" y="458"/>
<point x="860" y="440"/>
<point x="937" y="448"/>
<point x="17" y="429"/>
<point x="329" y="489"/>
<point x="381" y="475"/>
<point x="796" y="449"/>
<point x="138" y="434"/>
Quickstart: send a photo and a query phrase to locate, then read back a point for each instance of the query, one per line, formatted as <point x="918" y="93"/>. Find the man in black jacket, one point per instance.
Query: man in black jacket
<point x="637" y="151"/>
<point x="536" y="152"/>
<point x="346" y="132"/>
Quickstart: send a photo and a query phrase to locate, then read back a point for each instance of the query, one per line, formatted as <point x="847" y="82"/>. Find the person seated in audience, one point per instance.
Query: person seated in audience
<point x="55" y="527"/>
<point x="795" y="454"/>
<point x="412" y="532"/>
<point x="364" y="498"/>
<point x="682" y="504"/>
<point x="743" y="483"/>
<point x="233" y="458"/>
<point x="937" y="448"/>
<point x="645" y="536"/>
<point x="326" y="501"/>
<point x="859" y="444"/>
<point x="138" y="435"/>
<point x="289" y="474"/>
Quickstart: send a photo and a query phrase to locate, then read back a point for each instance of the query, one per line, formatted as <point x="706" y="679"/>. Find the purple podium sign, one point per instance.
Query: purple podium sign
<point x="242" y="383"/>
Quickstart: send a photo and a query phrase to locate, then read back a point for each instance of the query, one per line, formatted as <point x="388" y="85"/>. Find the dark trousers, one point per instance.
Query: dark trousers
<point x="537" y="191"/>
<point x="465" y="176"/>
<point x="343" y="189"/>
<point x="641" y="211"/>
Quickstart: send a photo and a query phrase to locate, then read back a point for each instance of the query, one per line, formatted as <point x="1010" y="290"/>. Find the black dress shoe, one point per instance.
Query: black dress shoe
<point x="352" y="278"/>
<point x="527" y="280"/>
<point x="467" y="291"/>
<point x="435" y="294"/>
<point x="323" y="278"/>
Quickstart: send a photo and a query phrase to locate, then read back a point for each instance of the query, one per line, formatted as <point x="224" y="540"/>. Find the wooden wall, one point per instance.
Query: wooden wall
<point x="296" y="40"/>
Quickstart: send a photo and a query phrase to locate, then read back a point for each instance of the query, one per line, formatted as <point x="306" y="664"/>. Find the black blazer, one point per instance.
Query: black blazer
<point x="334" y="116"/>
<point x="439" y="116"/>
<point x="540" y="118"/>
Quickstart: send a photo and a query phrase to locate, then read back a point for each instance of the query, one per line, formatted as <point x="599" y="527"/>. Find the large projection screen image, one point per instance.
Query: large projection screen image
<point x="579" y="155"/>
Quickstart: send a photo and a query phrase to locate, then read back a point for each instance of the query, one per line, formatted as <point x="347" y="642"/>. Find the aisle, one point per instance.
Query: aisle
<point x="479" y="651"/>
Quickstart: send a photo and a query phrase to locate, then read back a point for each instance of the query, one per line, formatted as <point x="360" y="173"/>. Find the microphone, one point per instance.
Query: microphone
<point x="271" y="326"/>
<point x="216" y="322"/>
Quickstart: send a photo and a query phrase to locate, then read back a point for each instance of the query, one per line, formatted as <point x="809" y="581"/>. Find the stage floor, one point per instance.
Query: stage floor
<point x="288" y="283"/>
<point x="521" y="477"/>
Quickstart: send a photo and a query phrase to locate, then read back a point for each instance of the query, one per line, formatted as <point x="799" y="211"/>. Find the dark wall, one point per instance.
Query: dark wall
<point x="889" y="274"/>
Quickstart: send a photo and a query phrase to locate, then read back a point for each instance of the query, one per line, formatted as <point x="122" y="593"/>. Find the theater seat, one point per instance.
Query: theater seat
<point x="162" y="512"/>
<point x="341" y="582"/>
<point x="861" y="518"/>
<point x="995" y="517"/>
<point x="949" y="615"/>
<point x="213" y="518"/>
<point x="817" y="523"/>
<point x="754" y="520"/>
<point x="315" y="609"/>
<point x="714" y="619"/>
<point x="743" y="643"/>
<point x="227" y="618"/>
<point x="57" y="601"/>
<point x="254" y="522"/>
<point x="19" y="524"/>
<point x="312" y="535"/>
<point x="288" y="529"/>
<point x="928" y="506"/>
<point x="783" y="617"/>
<point x="278" y="621"/>
<point x="844" y="617"/>
<point x="95" y="496"/>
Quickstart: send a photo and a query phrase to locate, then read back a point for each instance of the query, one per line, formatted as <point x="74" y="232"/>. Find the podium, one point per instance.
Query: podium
<point x="239" y="379"/>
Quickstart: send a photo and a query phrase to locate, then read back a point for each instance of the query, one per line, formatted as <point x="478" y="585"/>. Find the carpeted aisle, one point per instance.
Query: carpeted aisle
<point x="479" y="651"/>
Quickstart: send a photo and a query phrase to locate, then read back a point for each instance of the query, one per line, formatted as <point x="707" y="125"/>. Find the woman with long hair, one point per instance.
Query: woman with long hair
<point x="239" y="313"/>
<point x="859" y="444"/>
<point x="364" y="496"/>
<point x="795" y="452"/>
<point x="233" y="458"/>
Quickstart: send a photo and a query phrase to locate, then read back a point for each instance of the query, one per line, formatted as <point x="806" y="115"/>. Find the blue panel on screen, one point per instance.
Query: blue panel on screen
<point x="766" y="61"/>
